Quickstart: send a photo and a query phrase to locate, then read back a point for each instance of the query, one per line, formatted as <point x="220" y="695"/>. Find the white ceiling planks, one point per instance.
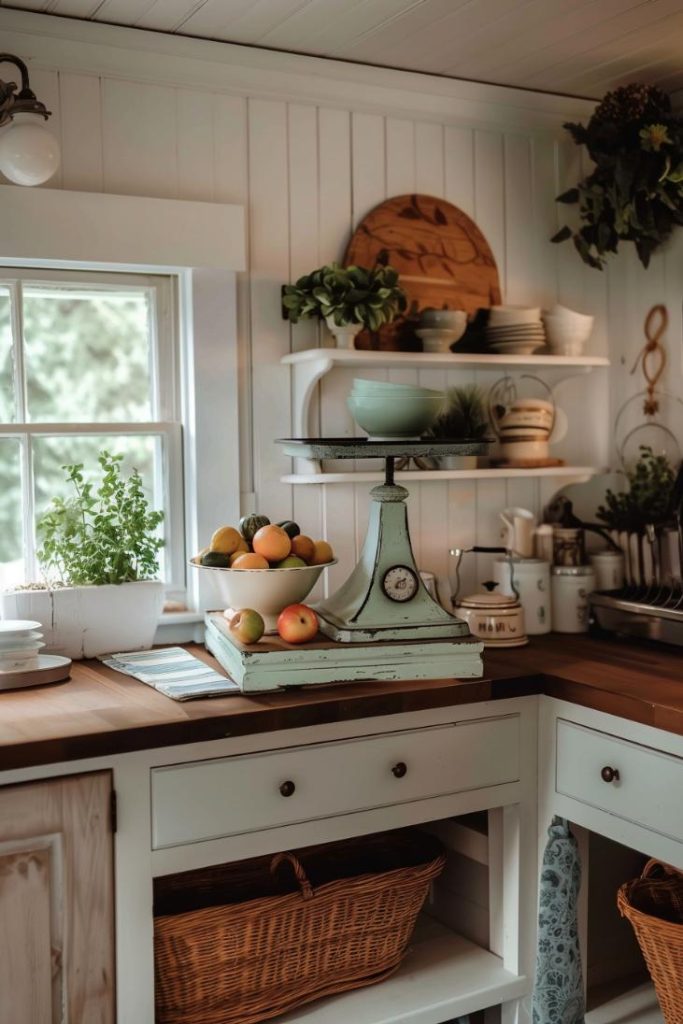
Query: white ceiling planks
<point x="581" y="47"/>
<point x="565" y="40"/>
<point x="528" y="36"/>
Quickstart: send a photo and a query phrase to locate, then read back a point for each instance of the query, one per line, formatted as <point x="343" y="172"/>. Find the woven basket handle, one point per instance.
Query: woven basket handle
<point x="300" y="874"/>
<point x="654" y="863"/>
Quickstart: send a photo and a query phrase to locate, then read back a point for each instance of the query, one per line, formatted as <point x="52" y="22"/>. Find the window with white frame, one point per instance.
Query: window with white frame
<point x="88" y="361"/>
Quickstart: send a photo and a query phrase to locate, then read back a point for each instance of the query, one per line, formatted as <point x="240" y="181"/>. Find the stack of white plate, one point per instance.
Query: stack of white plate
<point x="515" y="330"/>
<point x="21" y="664"/>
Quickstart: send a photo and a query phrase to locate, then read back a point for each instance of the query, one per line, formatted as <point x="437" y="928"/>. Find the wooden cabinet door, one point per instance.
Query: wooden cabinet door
<point x="57" y="902"/>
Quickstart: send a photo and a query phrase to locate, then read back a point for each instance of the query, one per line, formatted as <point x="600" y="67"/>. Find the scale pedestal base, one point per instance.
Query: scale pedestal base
<point x="384" y="598"/>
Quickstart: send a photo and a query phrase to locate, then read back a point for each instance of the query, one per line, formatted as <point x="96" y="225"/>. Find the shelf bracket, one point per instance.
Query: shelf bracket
<point x="305" y="379"/>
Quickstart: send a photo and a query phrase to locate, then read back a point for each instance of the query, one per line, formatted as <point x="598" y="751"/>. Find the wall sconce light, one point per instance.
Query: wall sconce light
<point x="29" y="152"/>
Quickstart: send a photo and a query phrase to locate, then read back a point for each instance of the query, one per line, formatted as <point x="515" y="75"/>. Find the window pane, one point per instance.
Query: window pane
<point x="88" y="353"/>
<point x="11" y="517"/>
<point x="144" y="453"/>
<point x="6" y="364"/>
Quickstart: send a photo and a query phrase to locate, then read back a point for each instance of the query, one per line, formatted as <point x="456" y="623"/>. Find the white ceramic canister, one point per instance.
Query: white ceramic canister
<point x="532" y="580"/>
<point x="570" y="587"/>
<point x="609" y="569"/>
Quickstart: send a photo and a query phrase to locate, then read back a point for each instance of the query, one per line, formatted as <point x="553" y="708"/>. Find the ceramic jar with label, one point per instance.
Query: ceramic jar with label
<point x="609" y="569"/>
<point x="569" y="546"/>
<point x="531" y="577"/>
<point x="570" y="587"/>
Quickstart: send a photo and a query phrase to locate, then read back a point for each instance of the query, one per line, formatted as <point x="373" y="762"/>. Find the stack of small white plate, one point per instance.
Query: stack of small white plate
<point x="515" y="330"/>
<point x="21" y="664"/>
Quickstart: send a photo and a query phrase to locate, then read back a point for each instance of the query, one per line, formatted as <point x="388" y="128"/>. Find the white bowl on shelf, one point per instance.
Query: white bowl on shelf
<point x="567" y="336"/>
<point x="570" y="316"/>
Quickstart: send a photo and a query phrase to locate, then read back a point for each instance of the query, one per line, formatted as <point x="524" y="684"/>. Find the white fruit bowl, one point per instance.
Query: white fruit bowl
<point x="267" y="591"/>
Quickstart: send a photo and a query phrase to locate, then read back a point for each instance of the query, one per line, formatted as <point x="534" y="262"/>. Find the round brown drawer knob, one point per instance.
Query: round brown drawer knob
<point x="609" y="774"/>
<point x="400" y="769"/>
<point x="287" y="788"/>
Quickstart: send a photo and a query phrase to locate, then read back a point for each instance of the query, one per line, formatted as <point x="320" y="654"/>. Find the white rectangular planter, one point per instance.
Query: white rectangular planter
<point x="84" y="622"/>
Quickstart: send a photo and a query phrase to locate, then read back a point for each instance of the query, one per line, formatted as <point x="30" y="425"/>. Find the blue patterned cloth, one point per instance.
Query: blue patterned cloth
<point x="558" y="989"/>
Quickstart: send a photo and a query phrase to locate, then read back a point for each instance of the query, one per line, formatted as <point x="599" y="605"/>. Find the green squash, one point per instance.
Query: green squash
<point x="251" y="523"/>
<point x="216" y="560"/>
<point x="291" y="529"/>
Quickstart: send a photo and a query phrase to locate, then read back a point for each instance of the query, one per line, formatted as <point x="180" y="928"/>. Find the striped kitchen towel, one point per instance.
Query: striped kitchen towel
<point x="173" y="672"/>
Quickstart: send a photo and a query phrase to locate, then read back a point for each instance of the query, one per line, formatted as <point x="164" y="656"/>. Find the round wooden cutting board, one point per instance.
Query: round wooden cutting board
<point x="441" y="256"/>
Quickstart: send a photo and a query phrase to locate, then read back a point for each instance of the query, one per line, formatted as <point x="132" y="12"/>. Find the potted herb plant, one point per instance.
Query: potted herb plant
<point x="647" y="501"/>
<point x="464" y="418"/>
<point x="635" y="190"/>
<point x="99" y="556"/>
<point x="346" y="298"/>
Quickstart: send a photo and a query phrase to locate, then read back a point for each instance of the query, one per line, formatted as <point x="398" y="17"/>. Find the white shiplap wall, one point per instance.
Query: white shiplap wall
<point x="157" y="123"/>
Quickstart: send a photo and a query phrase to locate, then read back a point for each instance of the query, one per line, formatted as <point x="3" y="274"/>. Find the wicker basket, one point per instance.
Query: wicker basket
<point x="243" y="942"/>
<point x="653" y="904"/>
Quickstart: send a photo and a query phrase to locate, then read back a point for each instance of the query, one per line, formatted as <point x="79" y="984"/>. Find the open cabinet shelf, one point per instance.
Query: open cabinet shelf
<point x="443" y="976"/>
<point x="638" y="1006"/>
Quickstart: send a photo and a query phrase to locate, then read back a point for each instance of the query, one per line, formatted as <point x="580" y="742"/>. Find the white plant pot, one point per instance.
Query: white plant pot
<point x="344" y="335"/>
<point x="84" y="622"/>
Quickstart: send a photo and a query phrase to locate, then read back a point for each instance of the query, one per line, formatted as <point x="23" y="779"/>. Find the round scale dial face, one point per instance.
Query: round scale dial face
<point x="400" y="583"/>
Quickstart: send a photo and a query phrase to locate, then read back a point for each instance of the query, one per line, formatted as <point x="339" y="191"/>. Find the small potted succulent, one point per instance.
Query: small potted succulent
<point x="99" y="556"/>
<point x="635" y="189"/>
<point x="464" y="419"/>
<point x="348" y="299"/>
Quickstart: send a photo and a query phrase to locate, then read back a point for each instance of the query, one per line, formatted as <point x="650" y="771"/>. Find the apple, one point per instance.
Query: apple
<point x="297" y="624"/>
<point x="290" y="562"/>
<point x="246" y="626"/>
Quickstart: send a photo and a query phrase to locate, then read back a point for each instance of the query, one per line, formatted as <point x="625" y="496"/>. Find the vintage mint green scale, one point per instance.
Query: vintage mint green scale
<point x="382" y="623"/>
<point x="384" y="598"/>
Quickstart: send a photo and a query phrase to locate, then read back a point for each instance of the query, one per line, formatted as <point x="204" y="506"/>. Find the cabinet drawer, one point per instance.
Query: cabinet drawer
<point x="647" y="790"/>
<point x="231" y="795"/>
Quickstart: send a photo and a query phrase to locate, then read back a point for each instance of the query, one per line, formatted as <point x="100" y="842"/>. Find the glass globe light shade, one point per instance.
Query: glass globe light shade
<point x="29" y="152"/>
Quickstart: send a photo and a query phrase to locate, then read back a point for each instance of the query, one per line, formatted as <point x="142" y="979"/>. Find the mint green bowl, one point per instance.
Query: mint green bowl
<point x="387" y="388"/>
<point x="388" y="418"/>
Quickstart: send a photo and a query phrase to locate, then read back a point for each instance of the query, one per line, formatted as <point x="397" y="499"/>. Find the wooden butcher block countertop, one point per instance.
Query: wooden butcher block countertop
<point x="101" y="712"/>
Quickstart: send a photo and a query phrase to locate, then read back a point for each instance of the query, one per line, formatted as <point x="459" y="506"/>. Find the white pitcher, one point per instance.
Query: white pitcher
<point x="518" y="533"/>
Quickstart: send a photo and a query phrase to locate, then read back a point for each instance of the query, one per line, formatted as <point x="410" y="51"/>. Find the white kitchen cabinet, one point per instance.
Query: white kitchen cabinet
<point x="196" y="804"/>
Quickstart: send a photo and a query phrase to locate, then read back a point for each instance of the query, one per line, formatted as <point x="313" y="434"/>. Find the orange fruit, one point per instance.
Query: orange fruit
<point x="272" y="542"/>
<point x="322" y="553"/>
<point x="238" y="554"/>
<point x="304" y="547"/>
<point x="226" y="540"/>
<point x="250" y="561"/>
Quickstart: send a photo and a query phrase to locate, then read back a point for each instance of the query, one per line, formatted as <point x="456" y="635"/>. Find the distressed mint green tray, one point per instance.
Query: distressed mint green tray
<point x="272" y="664"/>
<point x="362" y="448"/>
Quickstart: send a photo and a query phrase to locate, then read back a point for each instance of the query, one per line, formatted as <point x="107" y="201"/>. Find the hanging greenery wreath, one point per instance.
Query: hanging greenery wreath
<point x="635" y="191"/>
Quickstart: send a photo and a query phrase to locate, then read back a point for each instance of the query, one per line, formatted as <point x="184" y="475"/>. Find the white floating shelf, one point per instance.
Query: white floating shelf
<point x="443" y="976"/>
<point x="435" y="360"/>
<point x="427" y="475"/>
<point x="311" y="365"/>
